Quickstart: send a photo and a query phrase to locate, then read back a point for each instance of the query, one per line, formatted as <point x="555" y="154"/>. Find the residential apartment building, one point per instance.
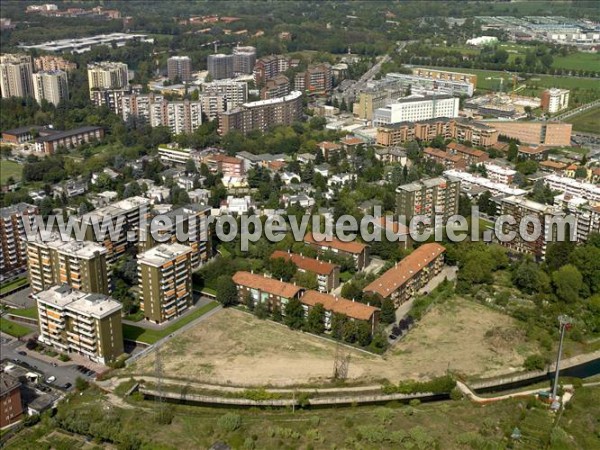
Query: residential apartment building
<point x="70" y="139"/>
<point x="220" y="66"/>
<point x="408" y="276"/>
<point x="87" y="324"/>
<point x="51" y="86"/>
<point x="534" y="133"/>
<point x="445" y="75"/>
<point x="414" y="109"/>
<point x="447" y="160"/>
<point x="107" y="75"/>
<point x="234" y="92"/>
<point x="80" y="264"/>
<point x="499" y="174"/>
<point x="270" y="66"/>
<point x="316" y="79"/>
<point x="229" y="166"/>
<point x="428" y="198"/>
<point x="189" y="226"/>
<point x="52" y="62"/>
<point x="15" y="75"/>
<point x="358" y="251"/>
<point x="165" y="281"/>
<point x="495" y="185"/>
<point x="11" y="405"/>
<point x="111" y="98"/>
<point x="13" y="237"/>
<point x="124" y="217"/>
<point x="588" y="221"/>
<point x="474" y="132"/>
<point x="278" y="86"/>
<point x="555" y="100"/>
<point x="179" y="68"/>
<point x="181" y="116"/>
<point x="174" y="154"/>
<point x="213" y="105"/>
<point x="576" y="188"/>
<point x="522" y="209"/>
<point x="244" y="59"/>
<point x="469" y="154"/>
<point x="327" y="274"/>
<point x="263" y="114"/>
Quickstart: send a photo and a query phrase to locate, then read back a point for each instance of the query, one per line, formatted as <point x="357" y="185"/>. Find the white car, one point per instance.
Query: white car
<point x="51" y="379"/>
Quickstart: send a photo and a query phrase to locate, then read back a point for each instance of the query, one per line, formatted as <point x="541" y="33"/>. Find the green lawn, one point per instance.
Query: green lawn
<point x="13" y="284"/>
<point x="587" y="121"/>
<point x="31" y="313"/>
<point x="14" y="329"/>
<point x="578" y="61"/>
<point x="135" y="333"/>
<point x="10" y="169"/>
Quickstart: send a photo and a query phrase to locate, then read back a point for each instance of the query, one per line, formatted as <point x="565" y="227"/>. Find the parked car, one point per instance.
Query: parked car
<point x="67" y="385"/>
<point x="22" y="353"/>
<point x="51" y="379"/>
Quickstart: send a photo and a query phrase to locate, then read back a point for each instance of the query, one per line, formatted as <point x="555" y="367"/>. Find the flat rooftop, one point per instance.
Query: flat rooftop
<point x="161" y="254"/>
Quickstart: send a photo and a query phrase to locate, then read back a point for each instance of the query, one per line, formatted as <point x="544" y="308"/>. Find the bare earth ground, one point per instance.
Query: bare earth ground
<point x="235" y="348"/>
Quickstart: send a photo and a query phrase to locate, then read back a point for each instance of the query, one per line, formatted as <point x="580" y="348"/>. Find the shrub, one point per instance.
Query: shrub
<point x="229" y="422"/>
<point x="535" y="362"/>
<point x="165" y="415"/>
<point x="81" y="384"/>
<point x="456" y="394"/>
<point x="64" y="358"/>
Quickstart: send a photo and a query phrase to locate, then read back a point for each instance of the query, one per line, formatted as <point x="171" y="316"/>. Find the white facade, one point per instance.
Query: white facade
<point x="15" y="75"/>
<point x="495" y="188"/>
<point x="181" y="116"/>
<point x="416" y="109"/>
<point x="107" y="75"/>
<point x="557" y="99"/>
<point x="576" y="188"/>
<point x="499" y="174"/>
<point x="51" y="86"/>
<point x="235" y="92"/>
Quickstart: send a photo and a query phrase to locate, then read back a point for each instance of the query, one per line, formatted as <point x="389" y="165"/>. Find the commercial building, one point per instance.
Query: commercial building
<point x="220" y="66"/>
<point x="181" y="116"/>
<point x="80" y="264"/>
<point x="316" y="79"/>
<point x="414" y="109"/>
<point x="244" y="59"/>
<point x="427" y="86"/>
<point x="13" y="235"/>
<point x="491" y="184"/>
<point x="179" y="68"/>
<point x="278" y="86"/>
<point x="165" y="281"/>
<point x="357" y="251"/>
<point x="52" y="62"/>
<point x="87" y="324"/>
<point x="107" y="75"/>
<point x="51" y="86"/>
<point x="522" y="209"/>
<point x="15" y="75"/>
<point x="535" y="133"/>
<point x="11" y="405"/>
<point x="263" y="114"/>
<point x="407" y="277"/>
<point x="327" y="274"/>
<point x="427" y="130"/>
<point x="124" y="217"/>
<point x="571" y="186"/>
<point x="428" y="198"/>
<point x="445" y="75"/>
<point x="67" y="139"/>
<point x="555" y="100"/>
<point x="81" y="45"/>
<point x="270" y="66"/>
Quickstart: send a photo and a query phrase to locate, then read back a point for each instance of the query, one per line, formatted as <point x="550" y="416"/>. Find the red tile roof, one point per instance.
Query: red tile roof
<point x="348" y="247"/>
<point x="329" y="145"/>
<point x="440" y="154"/>
<point x="553" y="165"/>
<point x="306" y="263"/>
<point x="397" y="276"/>
<point x="352" y="141"/>
<point x="265" y="284"/>
<point x="355" y="310"/>
<point x="465" y="149"/>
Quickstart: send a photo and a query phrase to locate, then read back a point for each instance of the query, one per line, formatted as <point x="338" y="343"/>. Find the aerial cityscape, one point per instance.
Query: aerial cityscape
<point x="300" y="225"/>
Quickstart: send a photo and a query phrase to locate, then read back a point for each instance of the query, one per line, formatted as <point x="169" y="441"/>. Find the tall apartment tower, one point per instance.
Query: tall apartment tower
<point x="234" y="92"/>
<point x="13" y="237"/>
<point x="179" y="67"/>
<point x="244" y="59"/>
<point x="555" y="100"/>
<point x="81" y="265"/>
<point x="428" y="198"/>
<point x="107" y="75"/>
<point x="51" y="86"/>
<point x="15" y="75"/>
<point x="220" y="66"/>
<point x="165" y="281"/>
<point x="73" y="321"/>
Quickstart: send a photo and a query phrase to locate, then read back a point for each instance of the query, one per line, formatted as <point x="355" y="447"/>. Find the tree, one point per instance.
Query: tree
<point x="276" y="312"/>
<point x="349" y="332"/>
<point x="568" y="283"/>
<point x="557" y="254"/>
<point x="227" y="293"/>
<point x="363" y="333"/>
<point x="338" y="321"/>
<point x="587" y="260"/>
<point x="282" y="269"/>
<point x="294" y="314"/>
<point x="529" y="278"/>
<point x="260" y="310"/>
<point x="388" y="311"/>
<point x="190" y="166"/>
<point x="315" y="322"/>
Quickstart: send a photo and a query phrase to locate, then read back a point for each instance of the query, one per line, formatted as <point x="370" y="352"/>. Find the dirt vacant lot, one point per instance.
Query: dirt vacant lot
<point x="238" y="349"/>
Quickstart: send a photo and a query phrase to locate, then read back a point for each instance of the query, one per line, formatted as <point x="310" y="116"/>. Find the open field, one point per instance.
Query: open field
<point x="13" y="328"/>
<point x="10" y="169"/>
<point x="445" y="425"/>
<point x="236" y="348"/>
<point x="588" y="121"/>
<point x="578" y="61"/>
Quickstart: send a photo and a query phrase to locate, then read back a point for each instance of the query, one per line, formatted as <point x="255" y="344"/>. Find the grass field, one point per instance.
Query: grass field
<point x="588" y="121"/>
<point x="237" y="348"/>
<point x="31" y="313"/>
<point x="13" y="284"/>
<point x="578" y="61"/>
<point x="14" y="329"/>
<point x="445" y="425"/>
<point x="10" y="169"/>
<point x="135" y="333"/>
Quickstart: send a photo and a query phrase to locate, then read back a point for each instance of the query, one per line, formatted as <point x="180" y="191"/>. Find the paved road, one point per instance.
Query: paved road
<point x="576" y="111"/>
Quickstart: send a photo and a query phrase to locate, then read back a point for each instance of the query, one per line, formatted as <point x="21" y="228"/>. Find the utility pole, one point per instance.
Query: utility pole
<point x="565" y="324"/>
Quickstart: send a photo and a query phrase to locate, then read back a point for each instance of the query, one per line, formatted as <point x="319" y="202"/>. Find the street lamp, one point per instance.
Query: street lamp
<point x="565" y="324"/>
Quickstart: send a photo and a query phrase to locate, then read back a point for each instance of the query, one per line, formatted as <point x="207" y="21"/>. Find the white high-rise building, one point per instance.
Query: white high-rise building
<point x="15" y="75"/>
<point x="107" y="75"/>
<point x="414" y="109"/>
<point x="235" y="92"/>
<point x="555" y="100"/>
<point x="51" y="86"/>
